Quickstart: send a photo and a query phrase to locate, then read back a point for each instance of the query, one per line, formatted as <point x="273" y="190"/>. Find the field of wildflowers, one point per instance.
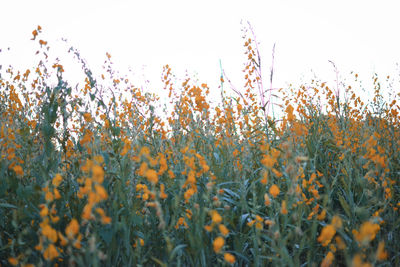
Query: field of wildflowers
<point x="93" y="175"/>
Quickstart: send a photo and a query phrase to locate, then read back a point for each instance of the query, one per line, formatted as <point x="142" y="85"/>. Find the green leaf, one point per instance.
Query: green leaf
<point x="7" y="205"/>
<point x="345" y="205"/>
<point x="176" y="250"/>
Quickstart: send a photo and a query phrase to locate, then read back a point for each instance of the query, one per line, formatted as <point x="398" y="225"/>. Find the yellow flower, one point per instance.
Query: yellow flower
<point x="218" y="243"/>
<point x="229" y="258"/>
<point x="326" y="235"/>
<point x="274" y="190"/>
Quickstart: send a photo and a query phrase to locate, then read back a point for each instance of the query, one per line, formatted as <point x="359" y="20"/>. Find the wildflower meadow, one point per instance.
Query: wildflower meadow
<point x="100" y="174"/>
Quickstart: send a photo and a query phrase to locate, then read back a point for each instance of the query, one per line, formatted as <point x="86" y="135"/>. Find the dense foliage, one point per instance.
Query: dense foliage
<point x="96" y="175"/>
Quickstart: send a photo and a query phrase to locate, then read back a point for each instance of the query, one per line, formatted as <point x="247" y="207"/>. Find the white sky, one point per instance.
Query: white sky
<point x="194" y="35"/>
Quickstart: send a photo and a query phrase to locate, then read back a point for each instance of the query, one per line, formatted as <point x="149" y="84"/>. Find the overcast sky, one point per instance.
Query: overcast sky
<point x="194" y="35"/>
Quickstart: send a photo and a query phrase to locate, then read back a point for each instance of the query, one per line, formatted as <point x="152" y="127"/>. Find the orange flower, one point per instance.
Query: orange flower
<point x="274" y="190"/>
<point x="101" y="192"/>
<point x="98" y="174"/>
<point x="56" y="193"/>
<point x="367" y="232"/>
<point x="208" y="228"/>
<point x="41" y="42"/>
<point x="171" y="174"/>
<point x="72" y="229"/>
<point x="340" y="243"/>
<point x="188" y="194"/>
<point x="49" y="196"/>
<point x="268" y="161"/>
<point x="44" y="211"/>
<point x="328" y="259"/>
<point x="336" y="222"/>
<point x="50" y="253"/>
<point x="57" y="180"/>
<point x="264" y="180"/>
<point x="218" y="243"/>
<point x="87" y="116"/>
<point x="18" y="170"/>
<point x="143" y="168"/>
<point x="13" y="261"/>
<point x="87" y="211"/>
<point x="229" y="258"/>
<point x="105" y="220"/>
<point x="99" y="159"/>
<point x="181" y="221"/>
<point x="163" y="195"/>
<point x="215" y="217"/>
<point x="34" y="33"/>
<point x="326" y="235"/>
<point x="322" y="215"/>
<point x="267" y="200"/>
<point x="152" y="176"/>
<point x="224" y="231"/>
<point x="283" y="208"/>
<point x="381" y="254"/>
<point x="62" y="238"/>
<point x="259" y="222"/>
<point x="358" y="262"/>
<point x="277" y="173"/>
